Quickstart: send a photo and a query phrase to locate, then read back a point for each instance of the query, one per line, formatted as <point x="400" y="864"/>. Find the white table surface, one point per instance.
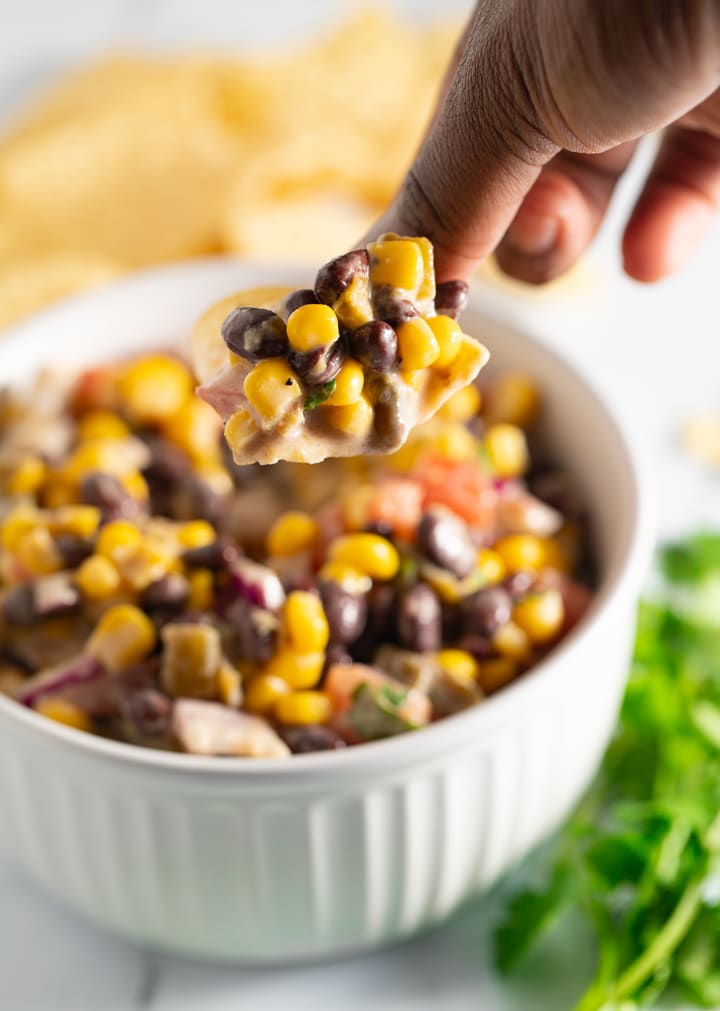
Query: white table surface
<point x="657" y="350"/>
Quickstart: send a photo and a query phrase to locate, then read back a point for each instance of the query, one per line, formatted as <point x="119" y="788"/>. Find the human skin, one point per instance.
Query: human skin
<point x="538" y="118"/>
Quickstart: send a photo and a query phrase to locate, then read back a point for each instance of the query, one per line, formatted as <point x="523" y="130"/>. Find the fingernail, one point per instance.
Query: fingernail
<point x="533" y="234"/>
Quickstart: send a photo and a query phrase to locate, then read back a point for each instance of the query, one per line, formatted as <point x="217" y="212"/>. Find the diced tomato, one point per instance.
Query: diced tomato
<point x="397" y="502"/>
<point x="461" y="485"/>
<point x="343" y="680"/>
<point x="94" y="390"/>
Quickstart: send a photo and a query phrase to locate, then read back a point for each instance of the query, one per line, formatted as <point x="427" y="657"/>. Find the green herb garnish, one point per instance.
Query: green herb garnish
<point x="376" y="711"/>
<point x="319" y="396"/>
<point x="641" y="855"/>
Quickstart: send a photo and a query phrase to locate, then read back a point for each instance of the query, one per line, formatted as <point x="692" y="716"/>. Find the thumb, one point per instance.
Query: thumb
<point x="481" y="155"/>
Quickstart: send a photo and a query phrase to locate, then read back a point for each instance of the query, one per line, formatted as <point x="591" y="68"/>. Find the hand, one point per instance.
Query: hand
<point x="539" y="117"/>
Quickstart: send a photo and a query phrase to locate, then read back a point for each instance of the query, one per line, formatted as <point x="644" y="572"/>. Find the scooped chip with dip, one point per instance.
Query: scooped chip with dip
<point x="348" y="367"/>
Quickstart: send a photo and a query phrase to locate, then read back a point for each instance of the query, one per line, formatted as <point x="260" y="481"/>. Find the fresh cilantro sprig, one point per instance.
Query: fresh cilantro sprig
<point x="319" y="395"/>
<point x="641" y="855"/>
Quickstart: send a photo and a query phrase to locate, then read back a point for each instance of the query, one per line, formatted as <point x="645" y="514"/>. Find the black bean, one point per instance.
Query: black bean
<point x="375" y="345"/>
<point x="336" y="652"/>
<point x="318" y="366"/>
<point x="346" y="612"/>
<point x="390" y="305"/>
<point x="149" y="711"/>
<point x="19" y="605"/>
<point x="380" y="623"/>
<point x="168" y="465"/>
<point x="253" y="631"/>
<point x="477" y="645"/>
<point x="445" y="540"/>
<point x="73" y="550"/>
<point x="486" y="610"/>
<point x="313" y="737"/>
<point x="195" y="499"/>
<point x="337" y="275"/>
<point x="108" y="495"/>
<point x="167" y="595"/>
<point x="559" y="490"/>
<point x="303" y="296"/>
<point x="255" y="333"/>
<point x="215" y="556"/>
<point x="451" y="298"/>
<point x="419" y="619"/>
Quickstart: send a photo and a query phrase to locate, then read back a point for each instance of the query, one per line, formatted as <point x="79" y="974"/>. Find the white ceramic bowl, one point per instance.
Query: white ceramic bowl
<point x="271" y="861"/>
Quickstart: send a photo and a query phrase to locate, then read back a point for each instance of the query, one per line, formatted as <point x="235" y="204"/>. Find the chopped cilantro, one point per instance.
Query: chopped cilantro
<point x="320" y="395"/>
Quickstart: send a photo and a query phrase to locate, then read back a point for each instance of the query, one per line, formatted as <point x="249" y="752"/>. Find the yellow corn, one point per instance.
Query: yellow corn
<point x="27" y="477"/>
<point x="459" y="664"/>
<point x="346" y="576"/>
<point x="135" y="485"/>
<point x="496" y="672"/>
<point x="196" y="534"/>
<point x="491" y="565"/>
<point x="195" y="428"/>
<point x="453" y="441"/>
<point x="79" y="520"/>
<point x="355" y="419"/>
<point x="305" y="627"/>
<point x="369" y="553"/>
<point x="57" y="492"/>
<point x="512" y="641"/>
<point x="463" y="405"/>
<point x="540" y="615"/>
<point x="143" y="563"/>
<point x="97" y="578"/>
<point x="95" y="454"/>
<point x="507" y="450"/>
<point x="298" y="670"/>
<point x="397" y="262"/>
<point x="202" y="590"/>
<point x="449" y="337"/>
<point x="556" y="555"/>
<point x="62" y="711"/>
<point x="102" y="425"/>
<point x="272" y="389"/>
<point x="312" y="326"/>
<point x="512" y="399"/>
<point x="303" y="708"/>
<point x="239" y="427"/>
<point x="263" y="692"/>
<point x="37" y="553"/>
<point x="349" y="384"/>
<point x="229" y="685"/>
<point x="521" y="552"/>
<point x="292" y="533"/>
<point x="154" y="388"/>
<point x="123" y="636"/>
<point x="418" y="347"/>
<point x="18" y="522"/>
<point x="115" y="535"/>
<point x="191" y="659"/>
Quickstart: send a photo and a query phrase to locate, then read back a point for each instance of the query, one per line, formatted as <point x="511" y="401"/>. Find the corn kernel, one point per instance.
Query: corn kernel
<point x="397" y="262"/>
<point x="263" y="692"/>
<point x="354" y="419"/>
<point x="369" y="553"/>
<point x="239" y="427"/>
<point x="27" y="477"/>
<point x="463" y="405"/>
<point x="96" y="455"/>
<point x="123" y="636"/>
<point x="454" y="442"/>
<point x="18" y="522"/>
<point x="202" y="590"/>
<point x="490" y="565"/>
<point x="272" y="389"/>
<point x="346" y="576"/>
<point x="418" y="347"/>
<point x="540" y="615"/>
<point x="79" y="520"/>
<point x="194" y="428"/>
<point x="349" y="384"/>
<point x="460" y="664"/>
<point x="292" y="533"/>
<point x="496" y="672"/>
<point x="303" y="708"/>
<point x="521" y="552"/>
<point x="512" y="399"/>
<point x="37" y="553"/>
<point x="556" y="555"/>
<point x="229" y="685"/>
<point x="507" y="450"/>
<point x="57" y="493"/>
<point x="196" y="534"/>
<point x="191" y="659"/>
<point x="312" y="326"/>
<point x="298" y="670"/>
<point x="154" y="388"/>
<point x="512" y="641"/>
<point x="416" y="380"/>
<point x="449" y="337"/>
<point x="97" y="578"/>
<point x="115" y="535"/>
<point x="62" y="711"/>
<point x="305" y="627"/>
<point x="102" y="425"/>
<point x="135" y="485"/>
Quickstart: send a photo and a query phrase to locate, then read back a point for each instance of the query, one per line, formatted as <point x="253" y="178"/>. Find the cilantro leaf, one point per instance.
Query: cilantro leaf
<point x="320" y="395"/>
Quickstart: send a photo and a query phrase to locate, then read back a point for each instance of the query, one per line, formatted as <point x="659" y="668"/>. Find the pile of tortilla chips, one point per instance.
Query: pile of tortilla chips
<point x="139" y="160"/>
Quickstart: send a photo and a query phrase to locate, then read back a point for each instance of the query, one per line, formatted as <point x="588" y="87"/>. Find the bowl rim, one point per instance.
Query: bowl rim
<point x="437" y="738"/>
